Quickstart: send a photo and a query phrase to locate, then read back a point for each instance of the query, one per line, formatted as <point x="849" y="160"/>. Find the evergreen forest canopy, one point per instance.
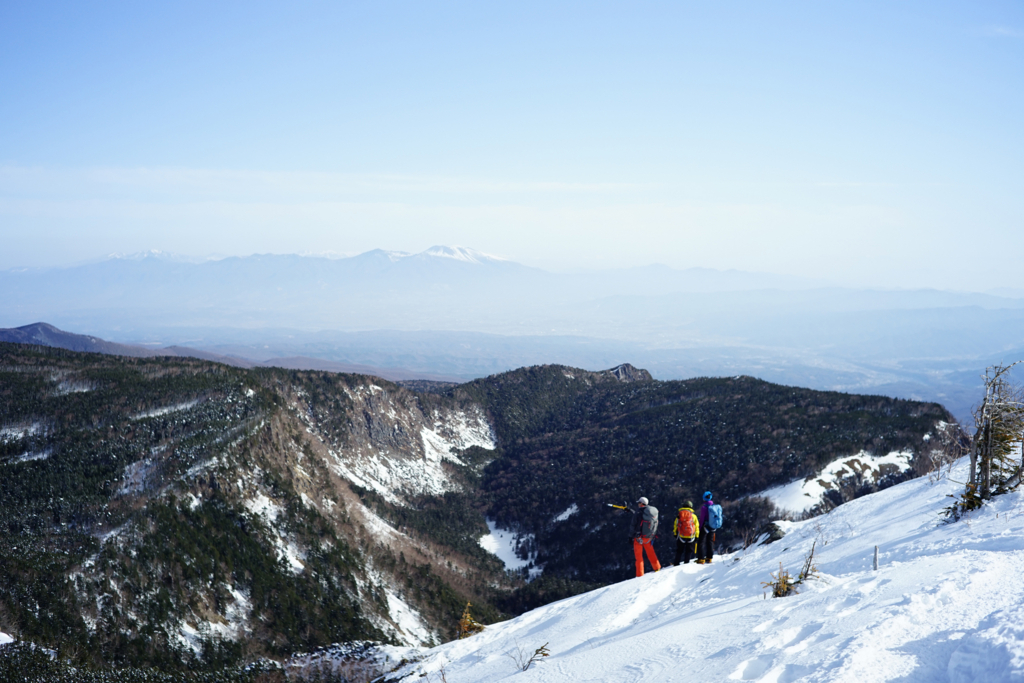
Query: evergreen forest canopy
<point x="571" y="437"/>
<point x="125" y="512"/>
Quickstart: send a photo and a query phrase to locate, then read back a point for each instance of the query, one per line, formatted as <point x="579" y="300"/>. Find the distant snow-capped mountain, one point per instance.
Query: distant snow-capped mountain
<point x="455" y="253"/>
<point x="460" y="254"/>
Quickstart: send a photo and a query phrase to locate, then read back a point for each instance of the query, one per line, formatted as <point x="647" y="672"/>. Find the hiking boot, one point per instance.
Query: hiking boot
<point x="700" y="561"/>
<point x="707" y="561"/>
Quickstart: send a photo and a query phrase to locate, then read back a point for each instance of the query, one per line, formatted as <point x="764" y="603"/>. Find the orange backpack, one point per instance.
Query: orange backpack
<point x="686" y="524"/>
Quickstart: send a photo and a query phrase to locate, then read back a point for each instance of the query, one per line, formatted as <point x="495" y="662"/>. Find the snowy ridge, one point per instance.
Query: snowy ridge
<point x="804" y="494"/>
<point x="946" y="604"/>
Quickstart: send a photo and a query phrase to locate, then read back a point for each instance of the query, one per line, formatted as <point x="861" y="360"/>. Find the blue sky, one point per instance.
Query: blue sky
<point x="868" y="143"/>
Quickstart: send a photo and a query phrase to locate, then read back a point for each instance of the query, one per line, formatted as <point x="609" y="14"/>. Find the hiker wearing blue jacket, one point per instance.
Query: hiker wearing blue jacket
<point x="710" y="519"/>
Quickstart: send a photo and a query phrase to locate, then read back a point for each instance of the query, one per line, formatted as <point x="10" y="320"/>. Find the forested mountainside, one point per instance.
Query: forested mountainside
<point x="573" y="440"/>
<point x="167" y="510"/>
<point x="174" y="511"/>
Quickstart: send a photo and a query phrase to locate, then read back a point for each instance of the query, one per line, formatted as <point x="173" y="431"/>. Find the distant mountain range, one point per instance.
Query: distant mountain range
<point x="43" y="334"/>
<point x="456" y="313"/>
<point x="442" y="288"/>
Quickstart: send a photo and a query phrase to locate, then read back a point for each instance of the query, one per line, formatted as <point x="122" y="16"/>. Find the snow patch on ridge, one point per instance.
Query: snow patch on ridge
<point x="65" y="387"/>
<point x="165" y="410"/>
<point x="16" y="433"/>
<point x="459" y="432"/>
<point x="408" y="621"/>
<point x="20" y="432"/>
<point x="567" y="513"/>
<point x="189" y="636"/>
<point x="135" y="477"/>
<point x="290" y="554"/>
<point x="405" y="622"/>
<point x="804" y="494"/>
<point x="262" y="506"/>
<point x="436" y="448"/>
<point x="30" y="456"/>
<point x="377" y="526"/>
<point x="504" y="544"/>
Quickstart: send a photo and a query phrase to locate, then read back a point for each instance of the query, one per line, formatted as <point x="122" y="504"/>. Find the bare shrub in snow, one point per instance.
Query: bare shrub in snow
<point x="783" y="583"/>
<point x="524" y="659"/>
<point x="953" y="443"/>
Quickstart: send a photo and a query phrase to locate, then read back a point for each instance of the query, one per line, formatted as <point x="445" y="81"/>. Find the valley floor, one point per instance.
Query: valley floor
<point x="946" y="604"/>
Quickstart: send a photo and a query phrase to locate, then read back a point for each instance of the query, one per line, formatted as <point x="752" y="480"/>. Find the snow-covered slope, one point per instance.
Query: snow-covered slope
<point x="946" y="604"/>
<point x="804" y="494"/>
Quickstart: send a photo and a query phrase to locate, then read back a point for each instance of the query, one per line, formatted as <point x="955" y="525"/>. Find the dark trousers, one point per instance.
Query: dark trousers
<point x="684" y="550"/>
<point x="706" y="545"/>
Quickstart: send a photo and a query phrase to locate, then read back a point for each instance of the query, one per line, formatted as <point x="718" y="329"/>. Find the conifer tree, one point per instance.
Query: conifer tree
<point x="999" y="428"/>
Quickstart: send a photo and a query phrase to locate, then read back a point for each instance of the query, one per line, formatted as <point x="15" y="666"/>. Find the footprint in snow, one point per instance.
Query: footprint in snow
<point x="752" y="669"/>
<point x="844" y="605"/>
<point x="791" y="673"/>
<point x="763" y="626"/>
<point x="799" y="641"/>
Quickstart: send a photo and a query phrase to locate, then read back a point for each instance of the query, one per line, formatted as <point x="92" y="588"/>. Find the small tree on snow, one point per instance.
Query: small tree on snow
<point x="467" y="624"/>
<point x="998" y="425"/>
<point x="999" y="428"/>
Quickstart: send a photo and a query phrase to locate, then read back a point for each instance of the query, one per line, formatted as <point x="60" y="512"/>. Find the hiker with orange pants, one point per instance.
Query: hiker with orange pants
<point x="642" y="530"/>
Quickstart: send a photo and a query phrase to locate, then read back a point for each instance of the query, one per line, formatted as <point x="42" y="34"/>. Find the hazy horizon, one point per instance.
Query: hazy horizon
<point x="802" y="281"/>
<point x="872" y="145"/>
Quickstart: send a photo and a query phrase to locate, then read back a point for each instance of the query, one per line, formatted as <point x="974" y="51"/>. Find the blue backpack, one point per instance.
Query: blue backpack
<point x="714" y="517"/>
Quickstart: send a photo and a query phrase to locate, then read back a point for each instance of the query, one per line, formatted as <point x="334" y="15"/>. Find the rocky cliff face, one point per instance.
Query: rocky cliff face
<point x="628" y="373"/>
<point x="392" y="441"/>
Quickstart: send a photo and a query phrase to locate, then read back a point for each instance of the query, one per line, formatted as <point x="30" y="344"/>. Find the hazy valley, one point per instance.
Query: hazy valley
<point x="456" y="314"/>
